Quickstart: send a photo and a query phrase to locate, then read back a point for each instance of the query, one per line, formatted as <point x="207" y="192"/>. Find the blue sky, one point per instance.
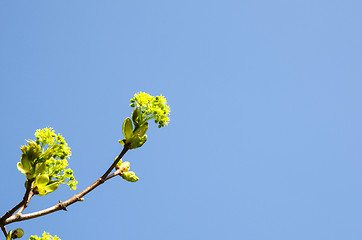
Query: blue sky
<point x="265" y="134"/>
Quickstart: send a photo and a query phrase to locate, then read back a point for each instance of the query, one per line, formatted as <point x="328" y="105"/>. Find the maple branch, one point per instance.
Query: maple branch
<point x="70" y="201"/>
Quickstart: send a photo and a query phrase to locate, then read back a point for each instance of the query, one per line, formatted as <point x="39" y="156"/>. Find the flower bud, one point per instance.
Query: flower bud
<point x="17" y="233"/>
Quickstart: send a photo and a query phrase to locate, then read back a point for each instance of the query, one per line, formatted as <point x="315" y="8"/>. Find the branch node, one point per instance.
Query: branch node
<point x="62" y="206"/>
<point x="17" y="215"/>
<point x="79" y="199"/>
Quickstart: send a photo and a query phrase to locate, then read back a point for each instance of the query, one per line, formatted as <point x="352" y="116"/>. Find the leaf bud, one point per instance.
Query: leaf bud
<point x="17" y="233"/>
<point x="122" y="142"/>
<point x="125" y="166"/>
<point x="130" y="176"/>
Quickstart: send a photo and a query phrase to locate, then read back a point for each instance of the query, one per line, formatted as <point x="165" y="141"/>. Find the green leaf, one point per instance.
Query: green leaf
<point x="30" y="175"/>
<point x="136" y="116"/>
<point x="137" y="142"/>
<point x="127" y="128"/>
<point x="26" y="165"/>
<point x="51" y="187"/>
<point x="141" y="130"/>
<point x="20" y="167"/>
<point x="39" y="168"/>
<point x="41" y="181"/>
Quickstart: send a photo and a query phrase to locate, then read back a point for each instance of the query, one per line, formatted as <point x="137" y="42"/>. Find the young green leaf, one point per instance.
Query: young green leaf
<point x="41" y="181"/>
<point x="20" y="168"/>
<point x="141" y="130"/>
<point x="127" y="128"/>
<point x="40" y="168"/>
<point x="51" y="187"/>
<point x="137" y="142"/>
<point x="26" y="165"/>
<point x="136" y="116"/>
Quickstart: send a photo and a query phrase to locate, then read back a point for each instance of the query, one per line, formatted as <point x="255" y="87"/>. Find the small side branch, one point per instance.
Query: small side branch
<point x="24" y="202"/>
<point x="31" y="194"/>
<point x="4" y="230"/>
<point x="115" y="173"/>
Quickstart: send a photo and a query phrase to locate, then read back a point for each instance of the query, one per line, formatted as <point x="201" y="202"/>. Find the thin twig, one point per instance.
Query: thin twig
<point x="23" y="202"/>
<point x="124" y="150"/>
<point x="115" y="173"/>
<point x="31" y="194"/>
<point x="4" y="230"/>
<point x="70" y="201"/>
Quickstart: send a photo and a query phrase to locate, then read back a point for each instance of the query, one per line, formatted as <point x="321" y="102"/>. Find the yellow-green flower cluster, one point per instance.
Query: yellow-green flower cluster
<point x="44" y="162"/>
<point x="52" y="144"/>
<point x="152" y="108"/>
<point x="45" y="236"/>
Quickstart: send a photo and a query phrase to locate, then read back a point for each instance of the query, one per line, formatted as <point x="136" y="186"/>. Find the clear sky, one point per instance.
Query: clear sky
<point x="265" y="138"/>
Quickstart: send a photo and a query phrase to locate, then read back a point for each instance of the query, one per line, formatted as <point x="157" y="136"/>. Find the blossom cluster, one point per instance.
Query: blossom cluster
<point x="44" y="162"/>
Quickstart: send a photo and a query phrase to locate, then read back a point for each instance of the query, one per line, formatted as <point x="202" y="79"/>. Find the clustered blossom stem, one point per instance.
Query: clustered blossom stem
<point x="10" y="218"/>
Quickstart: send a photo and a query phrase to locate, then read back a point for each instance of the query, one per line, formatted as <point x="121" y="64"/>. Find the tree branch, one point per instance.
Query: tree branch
<point x="70" y="201"/>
